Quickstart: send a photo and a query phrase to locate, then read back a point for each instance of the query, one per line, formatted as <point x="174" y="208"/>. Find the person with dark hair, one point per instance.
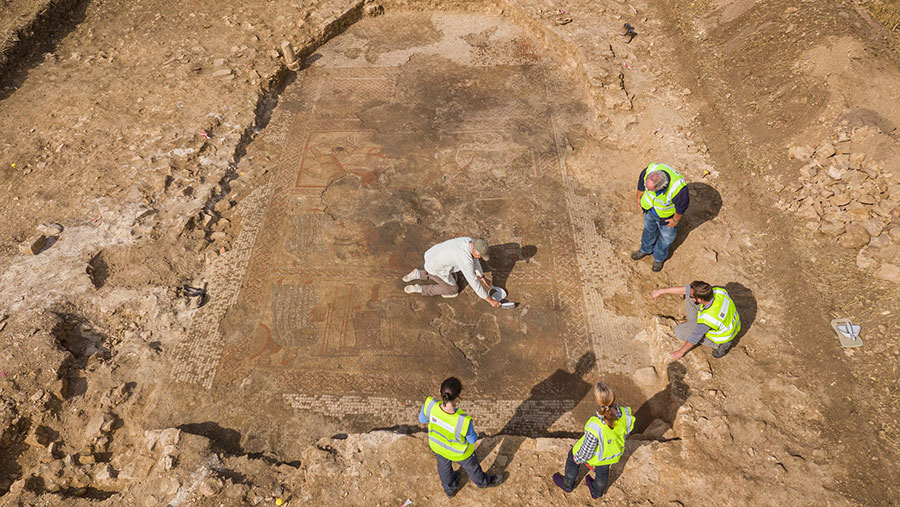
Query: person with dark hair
<point x="663" y="195"/>
<point x="713" y="319"/>
<point x="602" y="444"/>
<point x="452" y="437"/>
<point x="444" y="262"/>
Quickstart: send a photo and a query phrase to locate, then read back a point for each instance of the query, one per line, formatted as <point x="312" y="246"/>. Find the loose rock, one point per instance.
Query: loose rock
<point x="889" y="272"/>
<point x="855" y="236"/>
<point x="33" y="245"/>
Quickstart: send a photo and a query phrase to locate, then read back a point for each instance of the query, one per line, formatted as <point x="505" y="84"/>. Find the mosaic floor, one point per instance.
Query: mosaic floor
<point x="385" y="146"/>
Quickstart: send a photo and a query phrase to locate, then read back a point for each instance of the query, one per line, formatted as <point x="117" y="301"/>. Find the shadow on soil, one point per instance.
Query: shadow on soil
<point x="38" y="38"/>
<point x="705" y="205"/>
<point x="662" y="405"/>
<point x="526" y="422"/>
<point x="75" y="334"/>
<point x="10" y="470"/>
<point x="745" y="302"/>
<point x="504" y="258"/>
<point x="228" y="440"/>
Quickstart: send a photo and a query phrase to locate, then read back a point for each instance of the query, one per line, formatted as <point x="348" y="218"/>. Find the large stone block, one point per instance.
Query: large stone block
<point x="33" y="245"/>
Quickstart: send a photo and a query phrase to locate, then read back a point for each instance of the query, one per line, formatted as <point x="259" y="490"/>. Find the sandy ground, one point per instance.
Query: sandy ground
<point x="215" y="315"/>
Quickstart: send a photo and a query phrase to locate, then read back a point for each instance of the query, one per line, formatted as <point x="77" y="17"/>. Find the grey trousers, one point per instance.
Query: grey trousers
<point x="470" y="465"/>
<point x="439" y="287"/>
<point x="684" y="330"/>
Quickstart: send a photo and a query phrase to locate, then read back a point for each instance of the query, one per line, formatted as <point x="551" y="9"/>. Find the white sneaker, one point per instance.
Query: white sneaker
<point x="413" y="289"/>
<point x="413" y="275"/>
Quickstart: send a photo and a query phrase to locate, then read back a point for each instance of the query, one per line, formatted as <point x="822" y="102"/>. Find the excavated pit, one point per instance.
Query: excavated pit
<point x="386" y="143"/>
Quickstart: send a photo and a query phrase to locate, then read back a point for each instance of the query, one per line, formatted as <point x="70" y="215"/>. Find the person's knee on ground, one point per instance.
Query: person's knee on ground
<point x="722" y="349"/>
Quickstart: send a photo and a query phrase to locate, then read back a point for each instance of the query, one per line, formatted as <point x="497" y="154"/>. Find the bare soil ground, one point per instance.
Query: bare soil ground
<point x="201" y="247"/>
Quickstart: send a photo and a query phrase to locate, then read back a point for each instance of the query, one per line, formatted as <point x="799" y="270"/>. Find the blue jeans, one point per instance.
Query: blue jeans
<point x="656" y="238"/>
<point x="601" y="475"/>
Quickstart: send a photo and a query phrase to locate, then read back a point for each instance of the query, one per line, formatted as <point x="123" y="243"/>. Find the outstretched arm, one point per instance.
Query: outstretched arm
<point x="678" y="354"/>
<point x="675" y="291"/>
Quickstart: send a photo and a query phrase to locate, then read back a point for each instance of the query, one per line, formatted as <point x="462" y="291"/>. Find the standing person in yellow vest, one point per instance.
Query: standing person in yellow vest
<point x="663" y="195"/>
<point x="713" y="319"/>
<point x="602" y="444"/>
<point x="452" y="437"/>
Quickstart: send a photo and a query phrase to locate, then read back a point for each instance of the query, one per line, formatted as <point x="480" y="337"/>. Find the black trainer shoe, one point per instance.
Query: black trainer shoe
<point x="721" y="350"/>
<point x="657" y="266"/>
<point x="494" y="480"/>
<point x="638" y="255"/>
<point x="456" y="476"/>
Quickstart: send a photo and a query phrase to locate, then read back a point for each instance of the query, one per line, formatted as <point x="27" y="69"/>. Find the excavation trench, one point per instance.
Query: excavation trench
<point x="387" y="142"/>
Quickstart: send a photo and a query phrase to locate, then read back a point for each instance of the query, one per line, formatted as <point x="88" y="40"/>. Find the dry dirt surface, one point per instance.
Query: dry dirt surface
<point x="208" y="209"/>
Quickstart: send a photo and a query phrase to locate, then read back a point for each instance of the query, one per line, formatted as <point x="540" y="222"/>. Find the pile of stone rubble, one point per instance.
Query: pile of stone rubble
<point x="842" y="193"/>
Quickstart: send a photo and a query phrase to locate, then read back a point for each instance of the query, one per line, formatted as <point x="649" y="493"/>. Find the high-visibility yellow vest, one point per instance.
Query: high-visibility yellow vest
<point x="662" y="202"/>
<point x="612" y="441"/>
<point x="721" y="317"/>
<point x="447" y="432"/>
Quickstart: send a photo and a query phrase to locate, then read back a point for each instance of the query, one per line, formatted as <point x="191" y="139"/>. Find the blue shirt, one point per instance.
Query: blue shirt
<point x="681" y="199"/>
<point x="471" y="436"/>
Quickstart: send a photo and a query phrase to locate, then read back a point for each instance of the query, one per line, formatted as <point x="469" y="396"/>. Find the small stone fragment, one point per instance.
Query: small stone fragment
<point x="210" y="486"/>
<point x="801" y="152"/>
<point x="839" y="200"/>
<point x="50" y="229"/>
<point x="889" y="272"/>
<point x="373" y="9"/>
<point x="855" y="237"/>
<point x="825" y="151"/>
<point x="895" y="233"/>
<point x="831" y="229"/>
<point x="873" y="227"/>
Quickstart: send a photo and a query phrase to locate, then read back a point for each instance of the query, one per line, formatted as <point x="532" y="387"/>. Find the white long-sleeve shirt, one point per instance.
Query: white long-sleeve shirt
<point x="455" y="256"/>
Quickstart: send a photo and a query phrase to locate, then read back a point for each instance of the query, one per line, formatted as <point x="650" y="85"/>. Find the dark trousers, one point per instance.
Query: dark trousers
<point x="470" y="465"/>
<point x="601" y="475"/>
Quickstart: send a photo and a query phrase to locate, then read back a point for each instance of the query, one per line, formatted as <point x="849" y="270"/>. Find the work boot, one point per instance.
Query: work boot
<point x="493" y="480"/>
<point x="589" y="481"/>
<point x="657" y="266"/>
<point x="413" y="275"/>
<point x="456" y="475"/>
<point x="413" y="289"/>
<point x="560" y="482"/>
<point x="638" y="255"/>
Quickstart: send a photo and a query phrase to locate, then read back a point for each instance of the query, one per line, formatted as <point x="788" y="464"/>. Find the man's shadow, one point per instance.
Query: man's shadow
<point x="663" y="405"/>
<point x="503" y="260"/>
<point x="705" y="205"/>
<point x="533" y="418"/>
<point x="745" y="303"/>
